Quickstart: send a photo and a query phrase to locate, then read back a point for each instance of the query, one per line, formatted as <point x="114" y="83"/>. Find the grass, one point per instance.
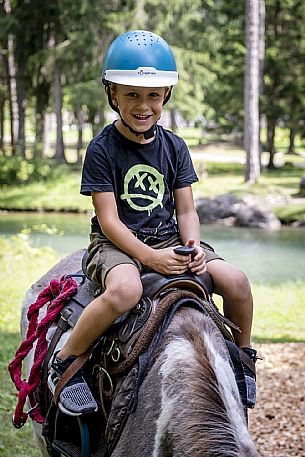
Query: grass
<point x="61" y="193"/>
<point x="13" y="442"/>
<point x="21" y="265"/>
<point x="279" y="312"/>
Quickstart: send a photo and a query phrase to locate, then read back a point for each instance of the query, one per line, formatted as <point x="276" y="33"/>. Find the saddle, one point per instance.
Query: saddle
<point x="118" y="362"/>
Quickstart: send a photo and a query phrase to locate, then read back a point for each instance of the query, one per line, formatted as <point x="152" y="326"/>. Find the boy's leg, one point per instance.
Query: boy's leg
<point x="123" y="292"/>
<point x="234" y="287"/>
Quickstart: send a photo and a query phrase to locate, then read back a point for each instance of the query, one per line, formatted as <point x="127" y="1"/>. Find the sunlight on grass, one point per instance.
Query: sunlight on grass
<point x="59" y="194"/>
<point x="279" y="312"/>
<point x="21" y="265"/>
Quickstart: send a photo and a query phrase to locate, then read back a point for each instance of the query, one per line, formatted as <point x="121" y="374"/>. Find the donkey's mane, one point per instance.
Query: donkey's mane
<point x="194" y="417"/>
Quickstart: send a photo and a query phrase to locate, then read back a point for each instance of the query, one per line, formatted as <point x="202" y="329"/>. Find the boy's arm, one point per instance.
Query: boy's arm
<point x="189" y="227"/>
<point x="163" y="260"/>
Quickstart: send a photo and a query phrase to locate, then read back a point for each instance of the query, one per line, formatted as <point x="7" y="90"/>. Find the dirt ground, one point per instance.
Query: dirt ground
<point x="277" y="423"/>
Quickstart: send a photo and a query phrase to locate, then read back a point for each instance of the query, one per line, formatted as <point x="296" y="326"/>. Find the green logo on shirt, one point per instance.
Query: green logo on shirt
<point x="143" y="182"/>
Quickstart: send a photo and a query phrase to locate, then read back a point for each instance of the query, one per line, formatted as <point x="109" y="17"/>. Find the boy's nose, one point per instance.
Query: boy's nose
<point x="142" y="102"/>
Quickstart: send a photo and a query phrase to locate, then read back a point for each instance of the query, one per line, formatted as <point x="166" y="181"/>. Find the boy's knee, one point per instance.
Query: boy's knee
<point x="231" y="282"/>
<point x="243" y="282"/>
<point x="123" y="295"/>
<point x="240" y="286"/>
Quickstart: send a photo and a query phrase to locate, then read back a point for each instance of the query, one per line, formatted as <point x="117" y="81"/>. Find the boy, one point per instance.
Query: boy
<point x="138" y="174"/>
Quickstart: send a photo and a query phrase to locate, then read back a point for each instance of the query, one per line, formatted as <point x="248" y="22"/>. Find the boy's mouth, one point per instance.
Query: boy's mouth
<point x="142" y="117"/>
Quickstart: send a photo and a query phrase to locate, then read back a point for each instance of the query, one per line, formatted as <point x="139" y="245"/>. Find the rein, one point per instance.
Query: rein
<point x="56" y="294"/>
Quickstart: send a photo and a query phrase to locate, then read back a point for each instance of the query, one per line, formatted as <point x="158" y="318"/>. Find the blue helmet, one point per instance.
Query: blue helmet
<point x="140" y="58"/>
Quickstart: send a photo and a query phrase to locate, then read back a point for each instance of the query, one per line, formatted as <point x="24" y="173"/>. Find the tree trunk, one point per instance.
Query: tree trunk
<point x="21" y="101"/>
<point x="12" y="83"/>
<point x="47" y="128"/>
<point x="97" y="120"/>
<point x="3" y="79"/>
<point x="80" y="122"/>
<point x="2" y="101"/>
<point x="291" y="149"/>
<point x="251" y="91"/>
<point x="173" y="114"/>
<point x="262" y="21"/>
<point x="271" y="126"/>
<point x="60" y="150"/>
<point x="102" y="117"/>
<point x="42" y="93"/>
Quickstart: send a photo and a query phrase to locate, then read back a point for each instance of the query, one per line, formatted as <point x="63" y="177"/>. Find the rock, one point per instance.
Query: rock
<point x="219" y="208"/>
<point x="230" y="210"/>
<point x="298" y="224"/>
<point x="256" y="217"/>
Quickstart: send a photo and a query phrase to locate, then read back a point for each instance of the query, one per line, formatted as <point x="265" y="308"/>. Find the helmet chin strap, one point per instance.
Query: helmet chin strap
<point x="150" y="133"/>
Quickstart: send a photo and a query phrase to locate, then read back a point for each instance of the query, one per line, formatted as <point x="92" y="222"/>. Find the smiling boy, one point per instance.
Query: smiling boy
<point x="139" y="176"/>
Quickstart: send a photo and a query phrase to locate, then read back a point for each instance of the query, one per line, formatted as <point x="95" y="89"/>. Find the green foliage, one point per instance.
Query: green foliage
<point x="283" y="98"/>
<point x="18" y="170"/>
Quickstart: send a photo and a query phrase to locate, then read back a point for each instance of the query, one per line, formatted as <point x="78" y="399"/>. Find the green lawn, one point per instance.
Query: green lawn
<point x="21" y="265"/>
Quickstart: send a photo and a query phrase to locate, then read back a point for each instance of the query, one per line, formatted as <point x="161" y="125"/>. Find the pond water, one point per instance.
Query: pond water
<point x="265" y="256"/>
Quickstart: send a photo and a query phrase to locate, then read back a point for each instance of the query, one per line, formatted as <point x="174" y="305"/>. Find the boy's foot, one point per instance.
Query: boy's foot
<point x="250" y="377"/>
<point x="75" y="398"/>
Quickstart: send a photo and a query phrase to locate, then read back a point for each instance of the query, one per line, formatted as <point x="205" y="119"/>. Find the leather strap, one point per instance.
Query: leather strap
<point x="247" y="360"/>
<point x="62" y="327"/>
<point x="70" y="372"/>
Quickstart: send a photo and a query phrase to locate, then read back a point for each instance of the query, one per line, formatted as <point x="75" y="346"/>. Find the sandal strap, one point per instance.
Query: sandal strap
<point x="75" y="366"/>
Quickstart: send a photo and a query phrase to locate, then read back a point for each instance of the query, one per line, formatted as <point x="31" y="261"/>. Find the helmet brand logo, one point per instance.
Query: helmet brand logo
<point x="145" y="72"/>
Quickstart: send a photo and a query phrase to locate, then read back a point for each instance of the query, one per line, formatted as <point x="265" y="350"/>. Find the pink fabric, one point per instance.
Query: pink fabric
<point x="57" y="293"/>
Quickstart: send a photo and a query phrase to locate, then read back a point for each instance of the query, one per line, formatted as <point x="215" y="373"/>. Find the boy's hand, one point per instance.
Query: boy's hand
<point x="197" y="264"/>
<point x="166" y="261"/>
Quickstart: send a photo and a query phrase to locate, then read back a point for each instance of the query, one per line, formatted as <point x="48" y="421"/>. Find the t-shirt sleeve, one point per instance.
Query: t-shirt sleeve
<point x="186" y="174"/>
<point x="96" y="174"/>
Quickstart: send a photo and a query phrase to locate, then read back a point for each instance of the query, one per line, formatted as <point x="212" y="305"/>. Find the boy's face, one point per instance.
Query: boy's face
<point x="140" y="107"/>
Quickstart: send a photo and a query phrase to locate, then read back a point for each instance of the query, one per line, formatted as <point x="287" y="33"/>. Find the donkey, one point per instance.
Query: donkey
<point x="189" y="403"/>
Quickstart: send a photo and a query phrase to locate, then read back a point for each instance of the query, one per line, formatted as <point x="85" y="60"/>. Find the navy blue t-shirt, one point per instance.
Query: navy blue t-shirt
<point x="141" y="176"/>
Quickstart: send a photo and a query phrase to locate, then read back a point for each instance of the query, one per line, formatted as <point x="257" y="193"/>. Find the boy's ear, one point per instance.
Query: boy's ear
<point x="166" y="92"/>
<point x="113" y="95"/>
